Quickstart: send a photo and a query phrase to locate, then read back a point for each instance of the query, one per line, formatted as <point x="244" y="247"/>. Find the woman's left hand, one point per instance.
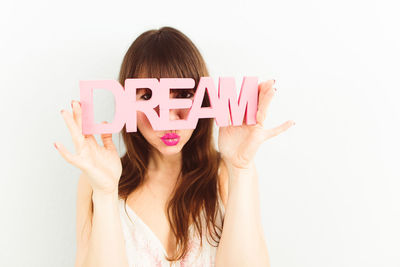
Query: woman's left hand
<point x="239" y="144"/>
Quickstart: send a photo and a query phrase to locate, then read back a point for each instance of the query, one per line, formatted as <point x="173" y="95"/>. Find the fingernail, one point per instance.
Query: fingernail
<point x="294" y="123"/>
<point x="275" y="89"/>
<point x="61" y="111"/>
<point x="55" y="145"/>
<point x="274" y="81"/>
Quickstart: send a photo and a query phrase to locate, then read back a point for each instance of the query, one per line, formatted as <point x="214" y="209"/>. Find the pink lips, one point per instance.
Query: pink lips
<point x="170" y="139"/>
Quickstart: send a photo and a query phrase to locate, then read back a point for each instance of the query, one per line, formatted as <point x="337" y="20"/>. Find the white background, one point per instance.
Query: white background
<point x="329" y="185"/>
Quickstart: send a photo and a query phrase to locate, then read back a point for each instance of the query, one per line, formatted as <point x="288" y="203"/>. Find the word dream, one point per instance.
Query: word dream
<point x="224" y="105"/>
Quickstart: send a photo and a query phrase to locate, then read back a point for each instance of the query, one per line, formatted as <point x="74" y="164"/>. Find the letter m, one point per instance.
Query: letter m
<point x="246" y="106"/>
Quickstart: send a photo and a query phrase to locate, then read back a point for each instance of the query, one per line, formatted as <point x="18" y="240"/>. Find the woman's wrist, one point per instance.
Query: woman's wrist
<point x="235" y="170"/>
<point x="101" y="196"/>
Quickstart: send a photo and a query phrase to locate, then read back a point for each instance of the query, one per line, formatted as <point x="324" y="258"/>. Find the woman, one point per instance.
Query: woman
<point x="166" y="199"/>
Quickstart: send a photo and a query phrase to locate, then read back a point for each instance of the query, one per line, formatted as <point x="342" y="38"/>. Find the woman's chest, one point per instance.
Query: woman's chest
<point x="150" y="237"/>
<point x="151" y="214"/>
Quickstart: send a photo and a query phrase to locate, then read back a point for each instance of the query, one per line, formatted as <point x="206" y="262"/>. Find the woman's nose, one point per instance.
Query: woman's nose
<point x="174" y="114"/>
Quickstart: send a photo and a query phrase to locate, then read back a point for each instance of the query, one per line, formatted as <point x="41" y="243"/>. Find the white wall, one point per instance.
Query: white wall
<point x="329" y="185"/>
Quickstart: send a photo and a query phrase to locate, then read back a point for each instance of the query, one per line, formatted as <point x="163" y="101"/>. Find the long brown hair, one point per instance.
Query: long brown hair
<point x="168" y="53"/>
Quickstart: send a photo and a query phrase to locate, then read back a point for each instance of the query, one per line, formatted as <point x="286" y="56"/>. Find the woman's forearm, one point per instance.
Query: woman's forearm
<point x="242" y="242"/>
<point x="106" y="243"/>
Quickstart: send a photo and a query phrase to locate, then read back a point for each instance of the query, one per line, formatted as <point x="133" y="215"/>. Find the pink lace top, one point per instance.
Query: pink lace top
<point x="144" y="249"/>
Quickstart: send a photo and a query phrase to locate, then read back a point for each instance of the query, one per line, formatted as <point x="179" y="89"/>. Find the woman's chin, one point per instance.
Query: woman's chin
<point x="168" y="151"/>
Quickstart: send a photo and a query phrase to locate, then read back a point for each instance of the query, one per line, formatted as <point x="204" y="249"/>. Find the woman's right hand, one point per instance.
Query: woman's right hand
<point x="101" y="164"/>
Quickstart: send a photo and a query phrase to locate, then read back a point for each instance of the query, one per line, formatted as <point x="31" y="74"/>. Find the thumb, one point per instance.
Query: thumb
<point x="107" y="139"/>
<point x="277" y="130"/>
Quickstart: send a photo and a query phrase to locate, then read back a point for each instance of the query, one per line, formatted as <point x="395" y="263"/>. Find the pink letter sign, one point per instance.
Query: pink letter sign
<point x="224" y="105"/>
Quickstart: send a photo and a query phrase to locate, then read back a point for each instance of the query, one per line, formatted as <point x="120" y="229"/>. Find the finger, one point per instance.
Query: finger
<point x="77" y="111"/>
<point x="277" y="130"/>
<point x="69" y="157"/>
<point x="265" y="95"/>
<point x="77" y="137"/>
<point x="230" y="118"/>
<point x="107" y="139"/>
<point x="91" y="139"/>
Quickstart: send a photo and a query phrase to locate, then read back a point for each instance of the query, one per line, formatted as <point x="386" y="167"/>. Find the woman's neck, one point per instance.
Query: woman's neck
<point x="163" y="170"/>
